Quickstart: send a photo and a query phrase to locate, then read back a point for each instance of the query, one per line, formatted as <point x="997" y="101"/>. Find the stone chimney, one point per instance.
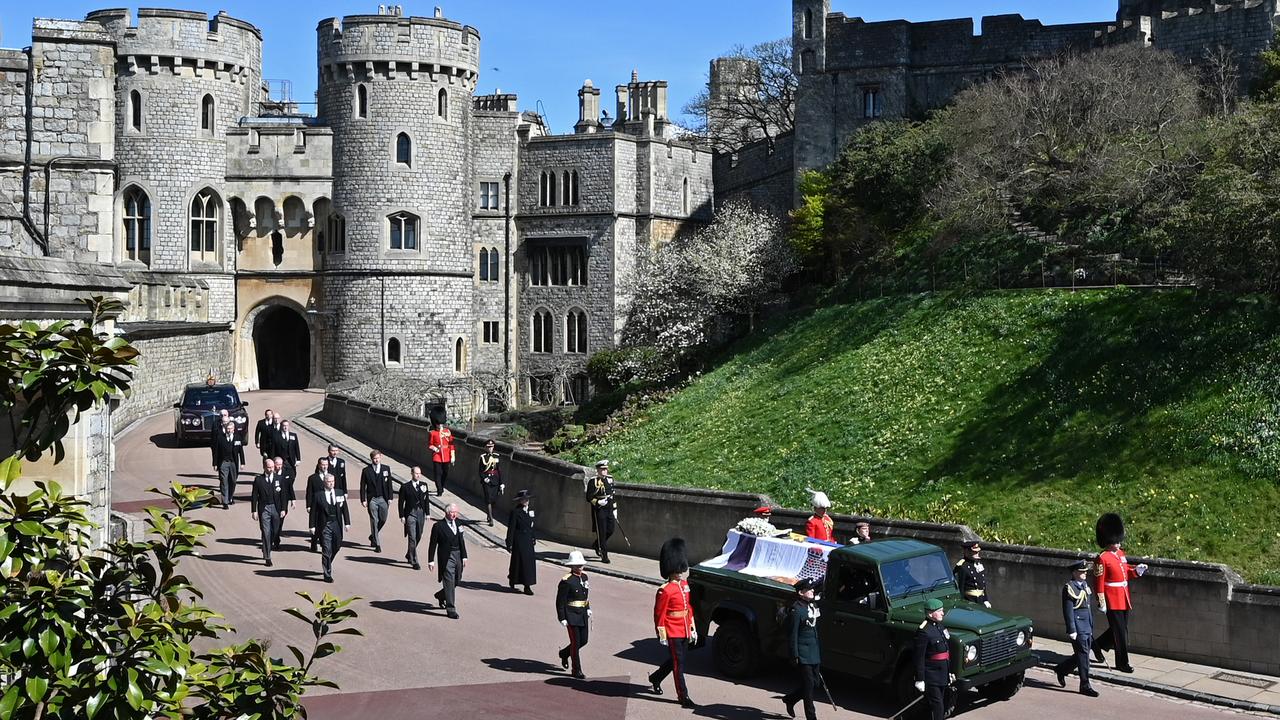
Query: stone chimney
<point x="588" y="108"/>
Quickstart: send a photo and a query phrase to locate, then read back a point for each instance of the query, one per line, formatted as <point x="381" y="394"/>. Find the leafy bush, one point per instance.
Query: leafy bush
<point x="566" y="437"/>
<point x="516" y="432"/>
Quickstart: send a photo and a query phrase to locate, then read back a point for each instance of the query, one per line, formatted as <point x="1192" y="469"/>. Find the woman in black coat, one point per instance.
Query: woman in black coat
<point x="520" y="539"/>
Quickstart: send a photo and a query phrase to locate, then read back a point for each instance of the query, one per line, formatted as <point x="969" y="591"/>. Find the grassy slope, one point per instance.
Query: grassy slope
<point x="1024" y="415"/>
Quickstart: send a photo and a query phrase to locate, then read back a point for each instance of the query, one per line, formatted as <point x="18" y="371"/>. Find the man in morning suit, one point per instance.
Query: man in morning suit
<point x="375" y="496"/>
<point x="268" y="504"/>
<point x="414" y="509"/>
<point x="446" y="545"/>
<point x="226" y="450"/>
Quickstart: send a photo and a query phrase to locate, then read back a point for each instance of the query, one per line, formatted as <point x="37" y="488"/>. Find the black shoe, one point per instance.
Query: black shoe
<point x="655" y="687"/>
<point x="275" y="546"/>
<point x="528" y="590"/>
<point x="1097" y="654"/>
<point x="1062" y="677"/>
<point x="1089" y="691"/>
<point x="268" y="562"/>
<point x="689" y="704"/>
<point x="511" y="585"/>
<point x="439" y="596"/>
<point x="416" y="566"/>
<point x="453" y="615"/>
<point x="604" y="560"/>
<point x="579" y="676"/>
<point x="377" y="548"/>
<point x="328" y="578"/>
<point x="791" y="707"/>
<point x="1125" y="669"/>
<point x="564" y="662"/>
<point x="491" y="523"/>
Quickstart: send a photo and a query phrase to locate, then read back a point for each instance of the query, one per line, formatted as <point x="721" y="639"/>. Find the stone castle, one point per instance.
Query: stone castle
<point x="409" y="224"/>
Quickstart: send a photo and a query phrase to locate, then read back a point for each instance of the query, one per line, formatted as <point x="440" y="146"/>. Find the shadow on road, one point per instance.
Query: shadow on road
<point x="522" y="665"/>
<point x="231" y="558"/>
<point x="733" y="712"/>
<point x="376" y="559"/>
<point x="605" y="688"/>
<point x="408" y="606"/>
<point x="488" y="587"/>
<point x="292" y="574"/>
<point x="164" y="440"/>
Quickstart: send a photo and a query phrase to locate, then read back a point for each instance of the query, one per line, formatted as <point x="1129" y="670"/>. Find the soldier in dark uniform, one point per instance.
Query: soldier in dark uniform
<point x="414" y="509"/>
<point x="375" y="496"/>
<point x="971" y="575"/>
<point x="933" y="660"/>
<point x="520" y="540"/>
<point x="604" y="509"/>
<point x="268" y="505"/>
<point x="490" y="479"/>
<point x="802" y="631"/>
<point x="1077" y="610"/>
<point x="226" y="459"/>
<point x="574" y="612"/>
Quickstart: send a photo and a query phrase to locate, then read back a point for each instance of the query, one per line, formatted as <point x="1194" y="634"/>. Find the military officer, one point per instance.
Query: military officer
<point x="604" y="510"/>
<point x="573" y="609"/>
<point x="519" y="542"/>
<point x="490" y="479"/>
<point x="375" y="496"/>
<point x="268" y="505"/>
<point x="1077" y="610"/>
<point x="673" y="618"/>
<point x="414" y="509"/>
<point x="933" y="659"/>
<point x="1114" y="574"/>
<point x="820" y="525"/>
<point x="802" y="633"/>
<point x="971" y="575"/>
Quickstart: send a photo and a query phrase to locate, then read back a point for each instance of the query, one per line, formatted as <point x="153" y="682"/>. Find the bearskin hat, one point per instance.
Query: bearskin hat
<point x="672" y="558"/>
<point x="437" y="415"/>
<point x="1109" y="530"/>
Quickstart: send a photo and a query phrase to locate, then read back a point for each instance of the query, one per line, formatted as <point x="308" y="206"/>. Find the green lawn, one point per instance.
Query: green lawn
<point x="1022" y="414"/>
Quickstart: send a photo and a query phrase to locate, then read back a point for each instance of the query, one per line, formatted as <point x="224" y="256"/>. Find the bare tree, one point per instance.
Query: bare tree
<point x="752" y="97"/>
<point x="1220" y="79"/>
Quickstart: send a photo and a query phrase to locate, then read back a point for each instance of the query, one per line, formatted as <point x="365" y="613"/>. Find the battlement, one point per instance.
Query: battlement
<point x="358" y="47"/>
<point x="189" y="35"/>
<point x="497" y="102"/>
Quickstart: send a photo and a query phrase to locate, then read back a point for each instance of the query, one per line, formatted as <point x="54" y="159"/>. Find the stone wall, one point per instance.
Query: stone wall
<point x="495" y="155"/>
<point x="1197" y="612"/>
<point x="762" y="174"/>
<point x="173" y="355"/>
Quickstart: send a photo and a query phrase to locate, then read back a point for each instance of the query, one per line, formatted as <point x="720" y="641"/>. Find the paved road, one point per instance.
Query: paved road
<point x="499" y="659"/>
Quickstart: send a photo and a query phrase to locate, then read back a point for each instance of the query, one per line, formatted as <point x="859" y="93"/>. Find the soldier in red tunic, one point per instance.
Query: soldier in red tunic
<point x="820" y="526"/>
<point x="1114" y="574"/>
<point x="440" y="444"/>
<point x="673" y="619"/>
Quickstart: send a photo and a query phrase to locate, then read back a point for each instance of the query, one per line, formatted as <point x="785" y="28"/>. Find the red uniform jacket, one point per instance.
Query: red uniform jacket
<point x="671" y="611"/>
<point x="442" y="441"/>
<point x="1113" y="579"/>
<point x="821" y="528"/>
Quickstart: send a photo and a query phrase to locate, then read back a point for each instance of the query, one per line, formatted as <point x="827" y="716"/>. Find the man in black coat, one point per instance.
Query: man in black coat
<point x="286" y="445"/>
<point x="338" y="467"/>
<point x="332" y="518"/>
<point x="520" y="540"/>
<point x="573" y="609"/>
<point x="414" y="510"/>
<point x="604" y="509"/>
<point x="226" y="451"/>
<point x="933" y="659"/>
<point x="802" y="631"/>
<point x="315" y="483"/>
<point x="263" y="433"/>
<point x="971" y="575"/>
<point x="289" y="476"/>
<point x="447" y="545"/>
<point x="268" y="505"/>
<point x="375" y="496"/>
<point x="1077" y="610"/>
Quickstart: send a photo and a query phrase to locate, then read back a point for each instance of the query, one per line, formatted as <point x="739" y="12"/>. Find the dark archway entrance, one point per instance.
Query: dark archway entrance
<point x="282" y="344"/>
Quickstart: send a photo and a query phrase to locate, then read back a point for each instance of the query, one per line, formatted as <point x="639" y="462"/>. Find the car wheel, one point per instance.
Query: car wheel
<point x="1002" y="689"/>
<point x="736" y="651"/>
<point x="904" y="689"/>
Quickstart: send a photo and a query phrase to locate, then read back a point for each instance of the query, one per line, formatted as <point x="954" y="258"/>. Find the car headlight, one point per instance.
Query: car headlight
<point x="1021" y="639"/>
<point x="970" y="654"/>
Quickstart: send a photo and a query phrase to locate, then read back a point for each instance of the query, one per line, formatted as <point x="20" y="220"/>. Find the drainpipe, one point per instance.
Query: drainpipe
<point x="27" y="222"/>
<point x="506" y="251"/>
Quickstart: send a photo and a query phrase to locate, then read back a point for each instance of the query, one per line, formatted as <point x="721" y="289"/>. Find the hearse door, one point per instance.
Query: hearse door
<point x="853" y="634"/>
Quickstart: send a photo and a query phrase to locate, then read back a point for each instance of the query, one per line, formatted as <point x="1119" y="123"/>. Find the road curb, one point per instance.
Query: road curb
<point x="477" y="526"/>
<point x="1170" y="690"/>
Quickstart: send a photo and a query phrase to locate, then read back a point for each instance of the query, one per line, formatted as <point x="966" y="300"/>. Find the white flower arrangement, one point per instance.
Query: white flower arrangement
<point x="756" y="526"/>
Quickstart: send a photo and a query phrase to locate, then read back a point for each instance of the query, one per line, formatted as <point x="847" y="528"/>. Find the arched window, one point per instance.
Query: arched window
<point x="575" y="332"/>
<point x="541" y="336"/>
<point x="264" y="215"/>
<point x="320" y="211"/>
<point x="393" y="351"/>
<point x="337" y="233"/>
<point x="493" y="264"/>
<point x="484" y="264"/>
<point x="543" y="192"/>
<point x="362" y="101"/>
<point x="573" y="178"/>
<point x="206" y="114"/>
<point x="404" y="231"/>
<point x="808" y="24"/>
<point x="442" y="104"/>
<point x="239" y="218"/>
<point x="459" y="355"/>
<point x="295" y="213"/>
<point x="552" y="186"/>
<point x="205" y="211"/>
<point x="135" y="110"/>
<point x="566" y="190"/>
<point x="137" y="225"/>
<point x="684" y="197"/>
<point x="404" y="149"/>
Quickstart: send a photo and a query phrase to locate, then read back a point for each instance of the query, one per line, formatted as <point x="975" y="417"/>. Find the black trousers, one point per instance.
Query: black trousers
<point x="810" y="681"/>
<point x="604" y="527"/>
<point x="673" y="665"/>
<point x="578" y="637"/>
<point x="936" y="697"/>
<point x="1080" y="661"/>
<point x="439" y="473"/>
<point x="1116" y="636"/>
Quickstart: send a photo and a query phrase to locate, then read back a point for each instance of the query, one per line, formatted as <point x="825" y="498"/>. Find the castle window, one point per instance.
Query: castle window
<point x="540" y="390"/>
<point x="404" y="231"/>
<point x="135" y="110"/>
<point x="404" y="150"/>
<point x="493" y="264"/>
<point x="362" y="101"/>
<point x="484" y="264"/>
<point x="569" y="187"/>
<point x="564" y="265"/>
<point x="684" y="197"/>
<point x="544" y="192"/>
<point x="137" y="225"/>
<point x="459" y="355"/>
<point x="547" y="189"/>
<point x="576" y="390"/>
<point x="337" y="233"/>
<point x="871" y="102"/>
<point x="807" y="61"/>
<point x="808" y="24"/>
<point x="205" y="209"/>
<point x="492" y="334"/>
<point x="489" y="196"/>
<point x="295" y="213"/>
<point x="393" y="351"/>
<point x="541" y="339"/>
<point x="206" y="114"/>
<point x="442" y="104"/>
<point x="321" y="209"/>
<point x="264" y="214"/>
<point x="575" y="332"/>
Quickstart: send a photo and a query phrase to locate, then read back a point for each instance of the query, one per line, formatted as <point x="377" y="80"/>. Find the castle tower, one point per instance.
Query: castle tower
<point x="814" y="145"/>
<point x="182" y="80"/>
<point x="397" y="92"/>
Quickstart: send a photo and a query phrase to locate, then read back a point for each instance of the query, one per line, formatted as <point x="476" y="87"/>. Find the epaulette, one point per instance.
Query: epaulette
<point x="960" y="563"/>
<point x="923" y="624"/>
<point x="566" y="577"/>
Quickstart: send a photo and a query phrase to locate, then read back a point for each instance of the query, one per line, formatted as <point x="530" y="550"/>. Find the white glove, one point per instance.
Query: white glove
<point x="1142" y="569"/>
<point x="664" y="642"/>
<point x="604" y="503"/>
<point x="919" y="686"/>
<point x="951" y="678"/>
<point x="693" y="637"/>
<point x="987" y="603"/>
<point x="615" y="513"/>
<point x="502" y="488"/>
<point x="1072" y="636"/>
<point x="564" y="623"/>
<point x="1102" y="604"/>
<point x="588" y="612"/>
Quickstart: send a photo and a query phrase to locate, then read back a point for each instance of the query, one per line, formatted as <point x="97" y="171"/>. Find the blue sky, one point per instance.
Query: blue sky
<point x="544" y="50"/>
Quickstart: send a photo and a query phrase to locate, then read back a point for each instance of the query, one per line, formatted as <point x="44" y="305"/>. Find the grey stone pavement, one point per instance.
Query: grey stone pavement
<point x="1158" y="688"/>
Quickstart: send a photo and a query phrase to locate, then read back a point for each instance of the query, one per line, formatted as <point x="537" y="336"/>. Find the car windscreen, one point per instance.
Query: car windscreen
<point x="916" y="575"/>
<point x="210" y="397"/>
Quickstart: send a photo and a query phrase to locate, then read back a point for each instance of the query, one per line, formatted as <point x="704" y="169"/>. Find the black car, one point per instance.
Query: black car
<point x="196" y="416"/>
